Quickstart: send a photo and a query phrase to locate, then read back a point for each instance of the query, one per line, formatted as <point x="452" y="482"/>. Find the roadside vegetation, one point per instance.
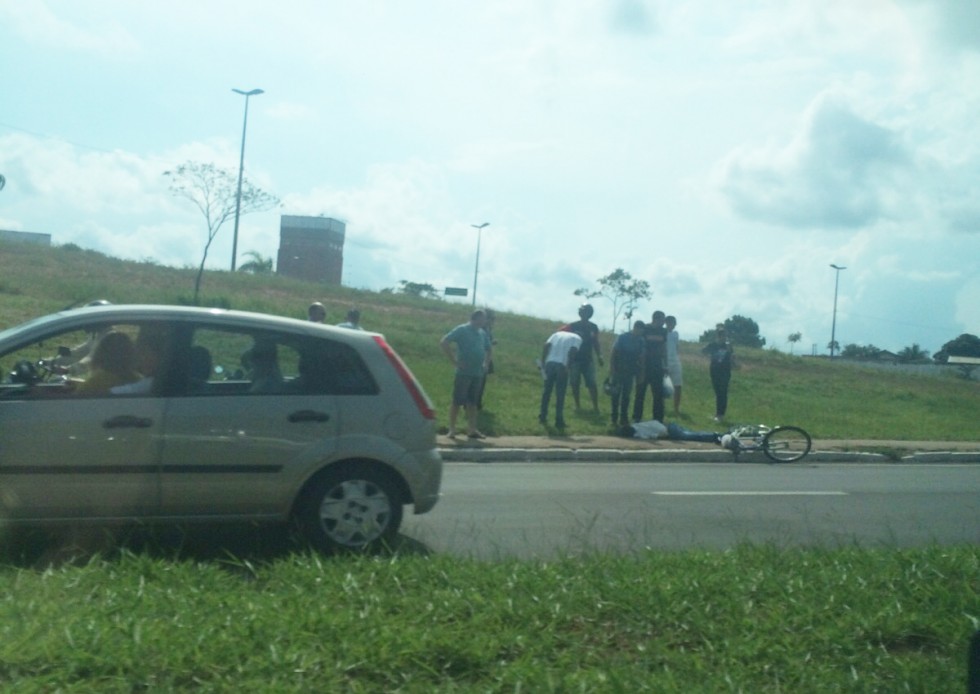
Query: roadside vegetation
<point x="255" y="611"/>
<point x="753" y="619"/>
<point x="832" y="400"/>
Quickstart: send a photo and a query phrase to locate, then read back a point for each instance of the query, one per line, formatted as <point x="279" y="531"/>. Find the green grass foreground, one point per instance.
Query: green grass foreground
<point x="753" y="619"/>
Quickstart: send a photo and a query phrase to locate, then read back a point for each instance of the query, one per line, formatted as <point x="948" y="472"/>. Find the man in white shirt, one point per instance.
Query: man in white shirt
<point x="353" y="321"/>
<point x="557" y="354"/>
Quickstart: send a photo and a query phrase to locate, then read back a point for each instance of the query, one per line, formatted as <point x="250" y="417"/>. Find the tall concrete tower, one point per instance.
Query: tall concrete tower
<point x="311" y="248"/>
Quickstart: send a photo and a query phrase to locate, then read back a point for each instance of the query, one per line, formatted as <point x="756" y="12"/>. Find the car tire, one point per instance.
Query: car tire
<point x="350" y="508"/>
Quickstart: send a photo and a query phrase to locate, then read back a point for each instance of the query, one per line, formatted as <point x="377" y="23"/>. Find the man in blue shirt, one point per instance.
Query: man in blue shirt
<point x="625" y="366"/>
<point x="470" y="357"/>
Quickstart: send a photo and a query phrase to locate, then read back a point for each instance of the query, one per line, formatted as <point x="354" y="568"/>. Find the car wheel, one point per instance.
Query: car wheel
<point x="350" y="508"/>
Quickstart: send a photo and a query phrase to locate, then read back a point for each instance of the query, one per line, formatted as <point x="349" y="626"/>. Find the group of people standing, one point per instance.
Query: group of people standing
<point x="645" y="356"/>
<point x="641" y="360"/>
<point x="317" y="313"/>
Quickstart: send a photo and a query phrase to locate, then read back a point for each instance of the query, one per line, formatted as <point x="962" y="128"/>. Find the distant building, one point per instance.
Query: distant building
<point x="885" y="356"/>
<point x="311" y="248"/>
<point x="25" y="237"/>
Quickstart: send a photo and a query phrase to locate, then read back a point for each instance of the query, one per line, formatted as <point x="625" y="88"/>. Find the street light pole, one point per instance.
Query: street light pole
<point x="833" y="325"/>
<point x="476" y="270"/>
<point x="241" y="169"/>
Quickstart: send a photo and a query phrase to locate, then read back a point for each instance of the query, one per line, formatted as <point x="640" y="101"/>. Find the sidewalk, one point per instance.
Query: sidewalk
<point x="498" y="449"/>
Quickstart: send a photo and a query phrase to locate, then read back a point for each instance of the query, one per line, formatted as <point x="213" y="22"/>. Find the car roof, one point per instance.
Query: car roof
<point x="85" y="315"/>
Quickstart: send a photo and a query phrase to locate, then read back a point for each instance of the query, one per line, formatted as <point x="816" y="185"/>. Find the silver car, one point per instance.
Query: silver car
<point x="166" y="413"/>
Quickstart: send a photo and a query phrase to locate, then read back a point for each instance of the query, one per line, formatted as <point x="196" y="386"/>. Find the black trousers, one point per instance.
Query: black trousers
<point x="720" y="378"/>
<point x="654" y="381"/>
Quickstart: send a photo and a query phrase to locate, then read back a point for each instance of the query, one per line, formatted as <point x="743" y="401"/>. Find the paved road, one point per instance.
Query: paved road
<point x="546" y="509"/>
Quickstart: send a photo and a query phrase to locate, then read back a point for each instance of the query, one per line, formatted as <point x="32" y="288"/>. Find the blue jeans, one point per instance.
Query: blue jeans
<point x="555" y="378"/>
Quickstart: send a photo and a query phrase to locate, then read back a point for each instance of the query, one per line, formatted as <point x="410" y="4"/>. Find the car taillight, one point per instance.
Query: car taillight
<point x="413" y="387"/>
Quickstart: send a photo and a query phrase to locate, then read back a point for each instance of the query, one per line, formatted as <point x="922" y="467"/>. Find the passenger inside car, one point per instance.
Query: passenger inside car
<point x="77" y="360"/>
<point x="113" y="364"/>
<point x="261" y="363"/>
<point x="198" y="368"/>
<point x="152" y="348"/>
<point x="313" y="374"/>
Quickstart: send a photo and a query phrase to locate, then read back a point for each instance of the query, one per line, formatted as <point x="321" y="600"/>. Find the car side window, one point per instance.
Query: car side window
<point x="240" y="362"/>
<point x="77" y="363"/>
<point x="334" y="368"/>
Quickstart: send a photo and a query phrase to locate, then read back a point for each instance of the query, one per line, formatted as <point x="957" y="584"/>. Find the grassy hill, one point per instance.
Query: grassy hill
<point x="149" y="619"/>
<point x="831" y="400"/>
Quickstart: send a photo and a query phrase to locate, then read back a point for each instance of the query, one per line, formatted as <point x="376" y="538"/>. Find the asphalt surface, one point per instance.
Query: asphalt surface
<point x="616" y="449"/>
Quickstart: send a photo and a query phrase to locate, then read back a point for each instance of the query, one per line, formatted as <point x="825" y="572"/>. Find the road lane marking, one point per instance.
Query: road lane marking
<point x="760" y="493"/>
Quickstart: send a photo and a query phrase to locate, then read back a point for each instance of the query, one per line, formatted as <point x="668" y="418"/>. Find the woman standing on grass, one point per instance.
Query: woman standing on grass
<point x="674" y="362"/>
<point x="722" y="357"/>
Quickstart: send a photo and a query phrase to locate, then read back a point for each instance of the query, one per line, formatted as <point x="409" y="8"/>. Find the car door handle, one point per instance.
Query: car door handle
<point x="308" y="416"/>
<point x="127" y="421"/>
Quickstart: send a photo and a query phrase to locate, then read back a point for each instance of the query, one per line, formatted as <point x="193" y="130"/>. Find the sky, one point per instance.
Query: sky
<point x="726" y="153"/>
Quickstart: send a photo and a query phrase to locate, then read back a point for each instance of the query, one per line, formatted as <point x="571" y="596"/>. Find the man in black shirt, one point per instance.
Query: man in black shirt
<point x="654" y="368"/>
<point x="582" y="367"/>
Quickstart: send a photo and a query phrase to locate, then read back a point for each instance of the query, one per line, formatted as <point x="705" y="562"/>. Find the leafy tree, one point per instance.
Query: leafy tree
<point x="741" y="331"/>
<point x="855" y="351"/>
<point x="214" y="192"/>
<point x="913" y="354"/>
<point x="965" y="345"/>
<point x="3" y="181"/>
<point x="793" y="338"/>
<point x="424" y="290"/>
<point x="622" y="290"/>
<point x="257" y="265"/>
<point x="833" y="347"/>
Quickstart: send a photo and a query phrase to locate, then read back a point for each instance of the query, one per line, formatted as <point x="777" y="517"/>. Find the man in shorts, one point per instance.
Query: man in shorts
<point x="583" y="367"/>
<point x="470" y="357"/>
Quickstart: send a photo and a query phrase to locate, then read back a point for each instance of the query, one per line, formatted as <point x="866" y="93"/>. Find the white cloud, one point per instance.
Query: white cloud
<point x="98" y="34"/>
<point x="727" y="153"/>
<point x="835" y="173"/>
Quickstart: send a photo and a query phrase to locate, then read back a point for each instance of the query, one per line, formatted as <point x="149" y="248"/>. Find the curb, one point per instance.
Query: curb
<point x="668" y="455"/>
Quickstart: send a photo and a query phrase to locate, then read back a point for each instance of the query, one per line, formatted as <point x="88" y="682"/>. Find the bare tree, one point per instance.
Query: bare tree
<point x="622" y="290"/>
<point x="214" y="192"/>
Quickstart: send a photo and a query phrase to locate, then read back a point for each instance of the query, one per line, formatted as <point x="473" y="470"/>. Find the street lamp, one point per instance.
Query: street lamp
<point x="833" y="325"/>
<point x="476" y="270"/>
<point x="241" y="168"/>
